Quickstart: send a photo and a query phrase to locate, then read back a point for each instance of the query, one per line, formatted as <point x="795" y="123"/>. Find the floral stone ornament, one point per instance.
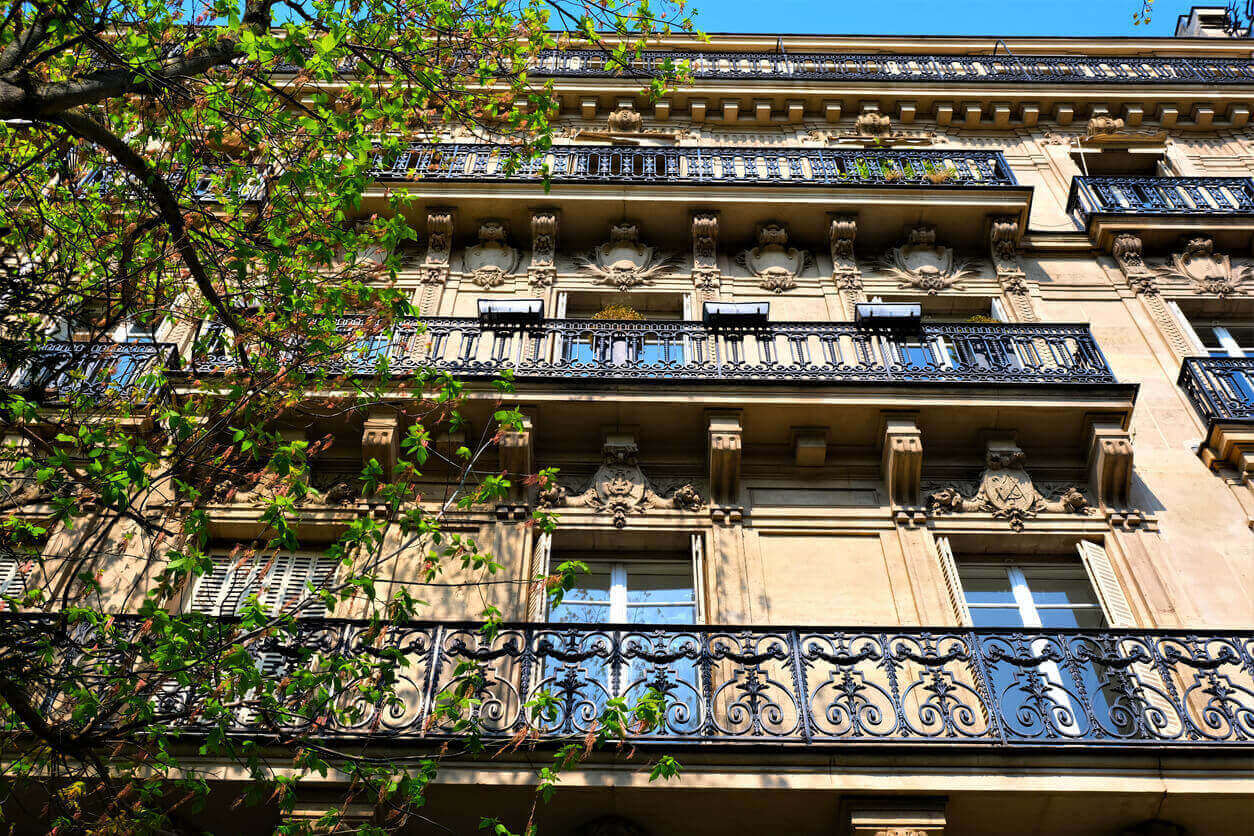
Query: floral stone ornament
<point x="922" y="264"/>
<point x="492" y="259"/>
<point x="623" y="262"/>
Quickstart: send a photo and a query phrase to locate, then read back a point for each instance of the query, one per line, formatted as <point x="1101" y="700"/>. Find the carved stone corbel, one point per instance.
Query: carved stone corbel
<point x="725" y="435"/>
<point x="902" y="461"/>
<point x="435" y="268"/>
<point x="841" y="232"/>
<point x="1110" y="465"/>
<point x="542" y="271"/>
<point x="1003" y="240"/>
<point x="895" y="817"/>
<point x="1127" y="250"/>
<point x="381" y="440"/>
<point x="705" y="272"/>
<point x="516" y="452"/>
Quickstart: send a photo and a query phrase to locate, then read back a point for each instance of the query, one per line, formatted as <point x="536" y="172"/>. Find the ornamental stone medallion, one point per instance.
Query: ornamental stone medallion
<point x="921" y="264"/>
<point x="1007" y="491"/>
<point x="619" y="487"/>
<point x="773" y="261"/>
<point x="623" y="262"/>
<point x="492" y="259"/>
<point x="1207" y="272"/>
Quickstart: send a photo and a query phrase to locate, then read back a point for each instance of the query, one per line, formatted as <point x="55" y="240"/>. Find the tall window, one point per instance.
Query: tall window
<point x="1015" y="595"/>
<point x="1228" y="338"/>
<point x="630" y="592"/>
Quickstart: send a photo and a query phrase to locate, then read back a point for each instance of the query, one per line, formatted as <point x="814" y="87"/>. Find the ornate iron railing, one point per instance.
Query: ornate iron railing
<point x="963" y="69"/>
<point x="794" y="686"/>
<point x="62" y="367"/>
<point x="1221" y="388"/>
<point x="705" y="165"/>
<point x="1159" y="196"/>
<point x="586" y="349"/>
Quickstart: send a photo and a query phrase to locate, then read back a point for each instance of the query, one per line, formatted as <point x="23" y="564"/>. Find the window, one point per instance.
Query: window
<point x="1228" y="338"/>
<point x="12" y="579"/>
<point x="630" y="592"/>
<point x="1017" y="595"/>
<point x="661" y="340"/>
<point x="279" y="581"/>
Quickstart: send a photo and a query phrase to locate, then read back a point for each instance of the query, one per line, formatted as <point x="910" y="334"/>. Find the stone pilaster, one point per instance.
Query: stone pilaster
<point x="1003" y="238"/>
<point x="542" y="270"/>
<point x="846" y="276"/>
<point x="434" y="271"/>
<point x="706" y="277"/>
<point x="1127" y="250"/>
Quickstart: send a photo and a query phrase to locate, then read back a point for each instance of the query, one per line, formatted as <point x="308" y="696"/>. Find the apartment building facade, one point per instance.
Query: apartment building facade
<point x="902" y="392"/>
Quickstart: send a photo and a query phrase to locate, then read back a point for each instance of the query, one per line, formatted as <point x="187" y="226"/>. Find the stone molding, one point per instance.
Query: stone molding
<point x="435" y="268"/>
<point x="705" y="273"/>
<point x="542" y="271"/>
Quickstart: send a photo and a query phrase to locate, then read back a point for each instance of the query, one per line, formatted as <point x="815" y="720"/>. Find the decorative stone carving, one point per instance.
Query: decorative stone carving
<point x="492" y="259"/>
<point x="705" y="272"/>
<point x="1127" y="250"/>
<point x="623" y="262"/>
<point x="625" y="121"/>
<point x="840" y="235"/>
<point x="773" y="261"/>
<point x="1003" y="237"/>
<point x="1110" y="465"/>
<point x="381" y="440"/>
<point x="902" y="460"/>
<point x="619" y="487"/>
<point x="1007" y="491"/>
<point x="725" y="444"/>
<point x="921" y="264"/>
<point x="873" y="124"/>
<point x="543" y="268"/>
<point x="515" y="456"/>
<point x="439" y="246"/>
<point x="1103" y="125"/>
<point x="1209" y="273"/>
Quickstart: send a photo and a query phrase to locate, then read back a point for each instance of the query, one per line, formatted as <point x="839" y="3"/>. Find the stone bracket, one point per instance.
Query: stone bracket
<point x="381" y="440"/>
<point x="516" y="451"/>
<point x="809" y="446"/>
<point x="725" y="442"/>
<point x="705" y="271"/>
<point x="1110" y="463"/>
<point x="902" y="460"/>
<point x="894" y="816"/>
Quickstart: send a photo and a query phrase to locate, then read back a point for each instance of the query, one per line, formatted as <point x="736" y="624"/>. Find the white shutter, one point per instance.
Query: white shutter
<point x="949" y="568"/>
<point x="540" y="558"/>
<point x="1195" y="342"/>
<point x="12" y="579"/>
<point x="279" y="582"/>
<point x="698" y="575"/>
<point x="998" y="310"/>
<point x="1106" y="585"/>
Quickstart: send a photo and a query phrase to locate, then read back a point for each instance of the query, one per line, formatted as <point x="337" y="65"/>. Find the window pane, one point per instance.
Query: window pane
<point x="996" y="617"/>
<point x="982" y="586"/>
<point x="1062" y="619"/>
<point x="649" y="614"/>
<point x="659" y="584"/>
<point x="1050" y="589"/>
<point x="569" y="612"/>
<point x="593" y="585"/>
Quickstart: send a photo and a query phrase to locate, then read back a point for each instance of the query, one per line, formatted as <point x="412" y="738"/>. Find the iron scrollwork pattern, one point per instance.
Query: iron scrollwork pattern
<point x="1159" y="196"/>
<point x="730" y="685"/>
<point x="586" y="349"/>
<point x="1220" y="388"/>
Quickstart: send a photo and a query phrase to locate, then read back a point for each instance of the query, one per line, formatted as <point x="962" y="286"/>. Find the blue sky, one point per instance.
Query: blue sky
<point x="938" y="17"/>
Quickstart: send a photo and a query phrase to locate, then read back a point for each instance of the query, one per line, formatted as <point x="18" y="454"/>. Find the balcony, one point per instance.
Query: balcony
<point x="953" y="69"/>
<point x="1163" y="207"/>
<point x="572" y="350"/>
<point x="1222" y="391"/>
<point x="784" y="686"/>
<point x="96" y="370"/>
<point x="955" y="190"/>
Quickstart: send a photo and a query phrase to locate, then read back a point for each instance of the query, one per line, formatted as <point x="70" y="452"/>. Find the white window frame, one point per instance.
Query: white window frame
<point x="618" y="580"/>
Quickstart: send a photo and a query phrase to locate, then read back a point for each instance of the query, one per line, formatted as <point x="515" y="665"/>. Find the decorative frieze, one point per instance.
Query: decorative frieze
<point x="487" y="263"/>
<point x="776" y="264"/>
<point x="623" y="262"/>
<point x="705" y="272"/>
<point x="619" y="488"/>
<point x="1006" y="491"/>
<point x="542" y="271"/>
<point x="921" y="264"/>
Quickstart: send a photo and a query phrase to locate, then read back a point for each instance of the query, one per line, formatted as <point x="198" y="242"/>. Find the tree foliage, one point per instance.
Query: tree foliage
<point x="187" y="182"/>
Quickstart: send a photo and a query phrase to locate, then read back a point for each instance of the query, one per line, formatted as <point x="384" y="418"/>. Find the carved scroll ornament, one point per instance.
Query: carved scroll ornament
<point x="1007" y="491"/>
<point x="623" y="261"/>
<point x="922" y="264"/>
<point x="542" y="270"/>
<point x="619" y="488"/>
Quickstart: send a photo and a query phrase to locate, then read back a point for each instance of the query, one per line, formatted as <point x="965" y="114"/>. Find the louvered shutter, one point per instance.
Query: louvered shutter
<point x="536" y="609"/>
<point x="12" y="579"/>
<point x="279" y="582"/>
<point x="949" y="569"/>
<point x="1106" y="585"/>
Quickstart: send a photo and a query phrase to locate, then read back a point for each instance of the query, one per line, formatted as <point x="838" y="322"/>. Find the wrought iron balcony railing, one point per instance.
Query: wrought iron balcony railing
<point x="1213" y="196"/>
<point x="962" y="69"/>
<point x="586" y="349"/>
<point x="783" y="686"/>
<point x="704" y="165"/>
<point x="1221" y="388"/>
<point x="93" y="369"/>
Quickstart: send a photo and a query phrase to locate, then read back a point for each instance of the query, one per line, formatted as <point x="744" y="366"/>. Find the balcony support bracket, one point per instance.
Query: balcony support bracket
<point x="516" y="450"/>
<point x="902" y="462"/>
<point x="726" y="439"/>
<point x="381" y="440"/>
<point x="1110" y="464"/>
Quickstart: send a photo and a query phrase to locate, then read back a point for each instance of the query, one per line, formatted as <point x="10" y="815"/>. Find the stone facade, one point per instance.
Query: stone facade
<point x="800" y="501"/>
